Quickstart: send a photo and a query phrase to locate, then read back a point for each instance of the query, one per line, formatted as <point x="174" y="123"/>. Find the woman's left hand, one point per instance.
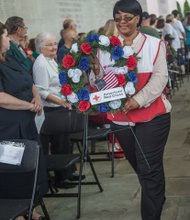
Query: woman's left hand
<point x="37" y="104"/>
<point x="130" y="104"/>
<point x="66" y="104"/>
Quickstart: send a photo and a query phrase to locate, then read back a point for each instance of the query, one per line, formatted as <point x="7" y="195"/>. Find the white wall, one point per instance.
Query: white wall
<point x="161" y="7"/>
<point x="153" y="7"/>
<point x="48" y="15"/>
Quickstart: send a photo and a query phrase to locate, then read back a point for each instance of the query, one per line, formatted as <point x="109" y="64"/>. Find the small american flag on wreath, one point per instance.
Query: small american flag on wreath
<point x="108" y="81"/>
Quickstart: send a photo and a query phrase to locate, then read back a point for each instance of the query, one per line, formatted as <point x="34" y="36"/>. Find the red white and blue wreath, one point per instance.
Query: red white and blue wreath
<point x="103" y="96"/>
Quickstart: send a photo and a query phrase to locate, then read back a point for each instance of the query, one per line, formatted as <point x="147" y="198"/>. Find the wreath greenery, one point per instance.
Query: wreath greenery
<point x="78" y="63"/>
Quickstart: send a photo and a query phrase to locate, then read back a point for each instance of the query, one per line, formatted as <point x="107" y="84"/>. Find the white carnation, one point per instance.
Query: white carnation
<point x="71" y="73"/>
<point x="115" y="104"/>
<point x="128" y="51"/>
<point x="72" y="98"/>
<point x="104" y="40"/>
<point x="76" y="79"/>
<point x="74" y="48"/>
<point x="77" y="72"/>
<point x="129" y="88"/>
<point x="121" y="70"/>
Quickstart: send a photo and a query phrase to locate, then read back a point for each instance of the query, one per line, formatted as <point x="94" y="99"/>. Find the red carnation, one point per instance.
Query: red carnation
<point x="86" y="48"/>
<point x="121" y="79"/>
<point x="131" y="63"/>
<point x="68" y="61"/>
<point x="66" y="90"/>
<point x="115" y="41"/>
<point x="83" y="106"/>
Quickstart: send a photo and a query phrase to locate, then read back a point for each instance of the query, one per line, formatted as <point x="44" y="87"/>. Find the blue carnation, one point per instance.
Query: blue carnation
<point x="132" y="77"/>
<point x="63" y="77"/>
<point x="103" y="108"/>
<point x="83" y="94"/>
<point x="84" y="63"/>
<point x="93" y="37"/>
<point x="117" y="52"/>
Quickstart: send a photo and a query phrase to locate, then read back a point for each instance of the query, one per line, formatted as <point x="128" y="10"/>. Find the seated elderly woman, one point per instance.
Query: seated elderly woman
<point x="45" y="75"/>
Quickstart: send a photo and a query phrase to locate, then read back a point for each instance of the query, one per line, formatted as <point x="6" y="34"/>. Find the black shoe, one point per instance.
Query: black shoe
<point x="75" y="177"/>
<point x="65" y="184"/>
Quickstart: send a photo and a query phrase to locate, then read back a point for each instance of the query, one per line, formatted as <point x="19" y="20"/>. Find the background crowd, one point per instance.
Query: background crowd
<point x="29" y="82"/>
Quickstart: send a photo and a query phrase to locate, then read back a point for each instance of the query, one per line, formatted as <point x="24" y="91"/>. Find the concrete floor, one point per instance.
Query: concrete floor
<point x="121" y="195"/>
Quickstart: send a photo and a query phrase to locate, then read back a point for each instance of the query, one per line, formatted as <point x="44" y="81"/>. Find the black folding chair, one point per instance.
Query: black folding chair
<point x="94" y="135"/>
<point x="62" y="122"/>
<point x="19" y="185"/>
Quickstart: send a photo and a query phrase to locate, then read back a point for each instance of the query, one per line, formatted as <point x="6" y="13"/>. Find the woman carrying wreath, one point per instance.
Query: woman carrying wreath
<point x="147" y="110"/>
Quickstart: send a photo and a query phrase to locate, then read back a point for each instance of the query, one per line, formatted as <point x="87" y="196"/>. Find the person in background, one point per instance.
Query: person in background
<point x="109" y="28"/>
<point x="17" y="30"/>
<point x="46" y="79"/>
<point x="69" y="37"/>
<point x="67" y="24"/>
<point x="32" y="47"/>
<point x="163" y="27"/>
<point x="186" y="25"/>
<point x="82" y="35"/>
<point x="178" y="26"/>
<point x="176" y="41"/>
<point x="171" y="52"/>
<point x="19" y="103"/>
<point x="145" y="26"/>
<point x="153" y="20"/>
<point x="147" y="111"/>
<point x="100" y="30"/>
<point x="25" y="44"/>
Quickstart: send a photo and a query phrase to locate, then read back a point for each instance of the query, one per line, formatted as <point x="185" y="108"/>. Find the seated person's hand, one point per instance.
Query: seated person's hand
<point x="66" y="104"/>
<point x="37" y="105"/>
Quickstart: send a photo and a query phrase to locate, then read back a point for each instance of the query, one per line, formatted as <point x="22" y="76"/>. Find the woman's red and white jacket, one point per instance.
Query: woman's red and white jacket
<point x="152" y="79"/>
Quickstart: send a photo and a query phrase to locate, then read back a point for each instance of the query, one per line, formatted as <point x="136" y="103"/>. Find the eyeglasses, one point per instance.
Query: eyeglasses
<point x="125" y="18"/>
<point x="51" y="45"/>
<point x="24" y="27"/>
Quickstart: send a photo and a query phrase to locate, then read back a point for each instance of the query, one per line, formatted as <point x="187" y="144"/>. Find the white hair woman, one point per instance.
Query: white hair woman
<point x="45" y="75"/>
<point x="45" y="71"/>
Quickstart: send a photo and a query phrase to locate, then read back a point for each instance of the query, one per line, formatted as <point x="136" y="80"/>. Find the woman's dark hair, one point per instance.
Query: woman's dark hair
<point x="160" y="23"/>
<point x="31" y="44"/>
<point x="2" y="30"/>
<point x="153" y="19"/>
<point x="13" y="23"/>
<point x="175" y="13"/>
<point x="128" y="6"/>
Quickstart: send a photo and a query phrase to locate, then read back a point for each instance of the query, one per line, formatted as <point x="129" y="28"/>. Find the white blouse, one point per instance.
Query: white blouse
<point x="46" y="79"/>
